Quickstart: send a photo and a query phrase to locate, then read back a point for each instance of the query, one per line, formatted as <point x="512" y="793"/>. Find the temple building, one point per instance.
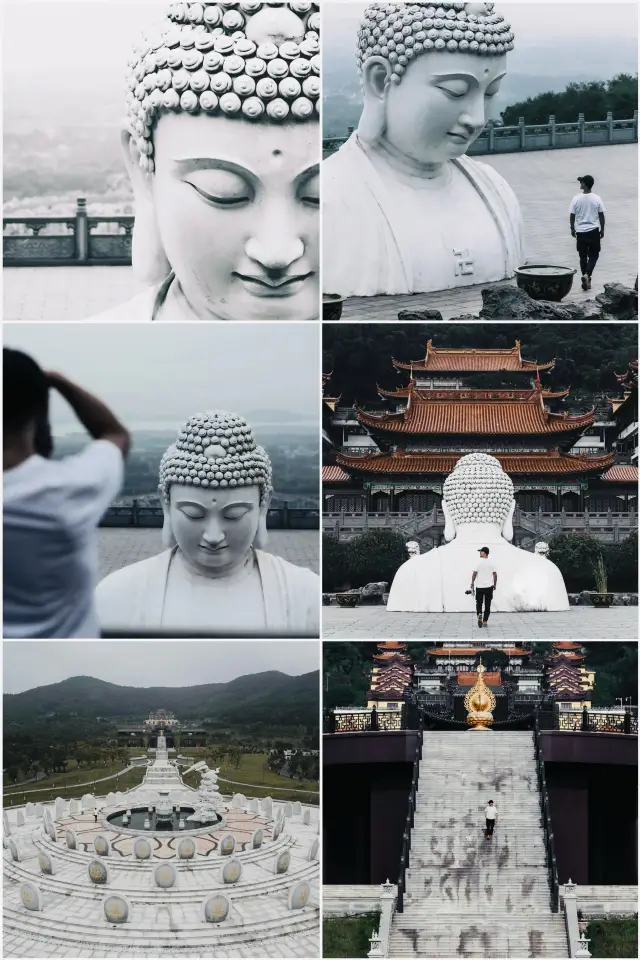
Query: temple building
<point x="390" y="675"/>
<point x="567" y="677"/>
<point x="395" y="460"/>
<point x="145" y="734"/>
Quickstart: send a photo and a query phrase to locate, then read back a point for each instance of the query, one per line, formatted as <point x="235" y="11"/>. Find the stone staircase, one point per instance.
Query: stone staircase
<point x="467" y="896"/>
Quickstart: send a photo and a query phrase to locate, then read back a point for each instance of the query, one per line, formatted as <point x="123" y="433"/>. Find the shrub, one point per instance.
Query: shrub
<point x="335" y="564"/>
<point x="614" y="937"/>
<point x="622" y="564"/>
<point x="375" y="556"/>
<point x="575" y="556"/>
<point x="348" y="936"/>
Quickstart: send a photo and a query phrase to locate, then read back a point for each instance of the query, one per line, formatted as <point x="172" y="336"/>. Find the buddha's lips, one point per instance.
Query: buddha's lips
<point x="214" y="550"/>
<point x="460" y="137"/>
<point x="271" y="284"/>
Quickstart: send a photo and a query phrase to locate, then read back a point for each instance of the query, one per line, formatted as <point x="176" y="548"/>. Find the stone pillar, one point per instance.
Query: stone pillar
<point x="522" y="130"/>
<point x="82" y="231"/>
<point x="581" y="129"/>
<point x="491" y="132"/>
<point x="610" y="126"/>
<point x="635" y="125"/>
<point x="552" y="130"/>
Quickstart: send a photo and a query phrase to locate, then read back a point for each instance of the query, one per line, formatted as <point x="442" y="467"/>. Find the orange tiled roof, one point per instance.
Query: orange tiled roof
<point x="467" y="678"/>
<point x="621" y="473"/>
<point x="552" y="461"/>
<point x="334" y="474"/>
<point x="566" y="645"/>
<point x="475" y="412"/>
<point x="468" y="651"/>
<point x="473" y="361"/>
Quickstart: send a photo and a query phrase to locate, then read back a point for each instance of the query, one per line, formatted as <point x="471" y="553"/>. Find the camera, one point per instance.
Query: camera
<point x="468" y="592"/>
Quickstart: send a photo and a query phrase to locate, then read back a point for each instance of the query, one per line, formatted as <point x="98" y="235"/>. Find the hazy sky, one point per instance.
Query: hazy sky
<point x="150" y="663"/>
<point x="171" y="371"/>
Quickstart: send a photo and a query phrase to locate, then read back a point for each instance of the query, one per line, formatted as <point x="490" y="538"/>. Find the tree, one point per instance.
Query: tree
<point x="593" y="98"/>
<point x="335" y="564"/>
<point x="575" y="554"/>
<point x="376" y="556"/>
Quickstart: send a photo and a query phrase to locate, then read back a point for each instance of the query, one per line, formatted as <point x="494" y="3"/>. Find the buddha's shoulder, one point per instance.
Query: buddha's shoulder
<point x="482" y="171"/>
<point x="133" y="573"/>
<point x="301" y="576"/>
<point x="138" y="309"/>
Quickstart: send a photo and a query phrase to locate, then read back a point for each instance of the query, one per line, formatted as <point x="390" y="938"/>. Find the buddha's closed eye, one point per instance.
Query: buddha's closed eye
<point x="221" y="187"/>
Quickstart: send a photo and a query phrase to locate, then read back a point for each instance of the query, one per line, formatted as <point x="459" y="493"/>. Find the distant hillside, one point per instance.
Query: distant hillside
<point x="273" y="696"/>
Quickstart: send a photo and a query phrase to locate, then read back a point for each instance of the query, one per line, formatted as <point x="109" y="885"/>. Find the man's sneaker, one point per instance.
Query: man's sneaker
<point x="479" y="621"/>
<point x="484" y="623"/>
<point x="589" y="283"/>
<point x="585" y="281"/>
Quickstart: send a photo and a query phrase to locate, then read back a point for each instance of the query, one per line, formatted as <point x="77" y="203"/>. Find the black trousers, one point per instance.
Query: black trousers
<point x="588" y="247"/>
<point x="486" y="594"/>
<point x="490" y="825"/>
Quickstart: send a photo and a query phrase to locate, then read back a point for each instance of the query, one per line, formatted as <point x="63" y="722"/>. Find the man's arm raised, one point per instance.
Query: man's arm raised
<point x="94" y="415"/>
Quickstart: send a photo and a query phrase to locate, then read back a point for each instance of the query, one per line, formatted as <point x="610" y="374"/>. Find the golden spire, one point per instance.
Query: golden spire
<point x="479" y="703"/>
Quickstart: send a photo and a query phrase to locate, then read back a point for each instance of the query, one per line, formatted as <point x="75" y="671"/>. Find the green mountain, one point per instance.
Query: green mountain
<point x="274" y="697"/>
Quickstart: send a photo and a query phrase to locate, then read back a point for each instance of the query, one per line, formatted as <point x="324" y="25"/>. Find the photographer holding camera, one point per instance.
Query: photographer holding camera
<point x="484" y="579"/>
<point x="52" y="508"/>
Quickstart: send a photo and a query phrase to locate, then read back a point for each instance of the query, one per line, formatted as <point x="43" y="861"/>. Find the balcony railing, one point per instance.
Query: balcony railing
<point x="539" y="136"/>
<point x="78" y="240"/>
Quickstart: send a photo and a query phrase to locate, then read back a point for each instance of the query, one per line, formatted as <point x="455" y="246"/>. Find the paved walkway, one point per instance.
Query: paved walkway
<point x="578" y="623"/>
<point x="544" y="183"/>
<point x="121" y="546"/>
<point x="266" y="786"/>
<point x="65" y="293"/>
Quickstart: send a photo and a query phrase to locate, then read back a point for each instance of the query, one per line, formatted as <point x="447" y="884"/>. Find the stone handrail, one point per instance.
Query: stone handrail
<point x="578" y="945"/>
<point x="282" y="517"/>
<point x="496" y="138"/>
<point x="67" y="241"/>
<point x="380" y="939"/>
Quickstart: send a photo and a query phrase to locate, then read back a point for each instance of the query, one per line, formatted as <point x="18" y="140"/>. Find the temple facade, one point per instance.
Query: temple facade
<point x="567" y="677"/>
<point x="395" y="459"/>
<point x="145" y="733"/>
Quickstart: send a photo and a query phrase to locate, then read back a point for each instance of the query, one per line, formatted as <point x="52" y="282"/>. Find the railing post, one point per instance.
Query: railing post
<point x="635" y="125"/>
<point x="82" y="231"/>
<point x="610" y="125"/>
<point x="552" y="130"/>
<point x="522" y="130"/>
<point x="585" y="720"/>
<point x="581" y="129"/>
<point x="626" y="726"/>
<point x="285" y="515"/>
<point x="491" y="138"/>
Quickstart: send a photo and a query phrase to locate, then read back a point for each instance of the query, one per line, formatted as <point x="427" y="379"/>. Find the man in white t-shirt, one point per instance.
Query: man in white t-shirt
<point x="53" y="507"/>
<point x="490" y="816"/>
<point x="485" y="579"/>
<point x="586" y="219"/>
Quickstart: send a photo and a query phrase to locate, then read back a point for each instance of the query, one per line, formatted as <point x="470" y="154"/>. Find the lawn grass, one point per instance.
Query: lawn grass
<point x="348" y="936"/>
<point x="253" y="769"/>
<point x="132" y="778"/>
<point x="614" y="937"/>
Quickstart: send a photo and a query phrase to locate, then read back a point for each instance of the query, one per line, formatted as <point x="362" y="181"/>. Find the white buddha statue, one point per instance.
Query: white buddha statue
<point x="404" y="211"/>
<point x="222" y="148"/>
<point x="478" y="506"/>
<point x="214" y="575"/>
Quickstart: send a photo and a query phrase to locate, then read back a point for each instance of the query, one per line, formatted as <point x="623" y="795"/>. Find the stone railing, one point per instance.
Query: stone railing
<point x="552" y="135"/>
<point x="607" y="526"/>
<point x="598" y="721"/>
<point x="77" y="240"/>
<point x="364" y="720"/>
<point x="278" y="518"/>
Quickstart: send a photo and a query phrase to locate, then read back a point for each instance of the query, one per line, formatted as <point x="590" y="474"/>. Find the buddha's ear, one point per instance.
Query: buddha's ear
<point x="449" y="525"/>
<point x="507" y="527"/>
<point x="261" y="537"/>
<point x="150" y="264"/>
<point x="168" y="538"/>
<point x="376" y="75"/>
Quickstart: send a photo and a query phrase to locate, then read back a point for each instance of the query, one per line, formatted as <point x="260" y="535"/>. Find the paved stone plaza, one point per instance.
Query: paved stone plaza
<point x="544" y="182"/>
<point x="76" y="885"/>
<point x="121" y="546"/>
<point x="578" y="623"/>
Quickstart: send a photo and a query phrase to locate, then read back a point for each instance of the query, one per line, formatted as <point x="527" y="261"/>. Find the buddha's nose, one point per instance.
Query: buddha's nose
<point x="473" y="118"/>
<point x="275" y="245"/>
<point x="213" y="534"/>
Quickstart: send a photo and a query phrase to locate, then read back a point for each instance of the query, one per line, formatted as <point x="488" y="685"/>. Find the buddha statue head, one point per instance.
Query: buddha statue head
<point x="222" y="147"/>
<point x="429" y="71"/>
<point x="478" y="492"/>
<point x="215" y="487"/>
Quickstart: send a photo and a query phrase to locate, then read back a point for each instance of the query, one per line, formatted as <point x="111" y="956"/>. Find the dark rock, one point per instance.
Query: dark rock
<point x="373" y="592"/>
<point x="420" y="316"/>
<point x="619" y="302"/>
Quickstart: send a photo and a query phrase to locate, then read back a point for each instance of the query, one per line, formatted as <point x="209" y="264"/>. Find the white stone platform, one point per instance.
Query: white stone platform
<point x="162" y="922"/>
<point x="578" y="623"/>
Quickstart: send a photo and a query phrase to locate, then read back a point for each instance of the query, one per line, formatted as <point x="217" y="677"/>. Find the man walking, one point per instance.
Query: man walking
<point x="586" y="218"/>
<point x="490" y="816"/>
<point x="485" y="579"/>
<point x="53" y="507"/>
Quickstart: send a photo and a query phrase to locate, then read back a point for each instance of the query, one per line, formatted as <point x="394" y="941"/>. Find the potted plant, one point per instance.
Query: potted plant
<point x="602" y="598"/>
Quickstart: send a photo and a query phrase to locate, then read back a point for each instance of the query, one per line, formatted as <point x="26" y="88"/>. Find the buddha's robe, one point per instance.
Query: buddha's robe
<point x="435" y="582"/>
<point x="144" y="595"/>
<point x="386" y="233"/>
<point x="154" y="303"/>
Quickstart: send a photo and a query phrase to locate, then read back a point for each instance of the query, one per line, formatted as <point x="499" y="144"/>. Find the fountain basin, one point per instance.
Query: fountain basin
<point x="331" y="306"/>
<point x="545" y="281"/>
<point x="162" y="823"/>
